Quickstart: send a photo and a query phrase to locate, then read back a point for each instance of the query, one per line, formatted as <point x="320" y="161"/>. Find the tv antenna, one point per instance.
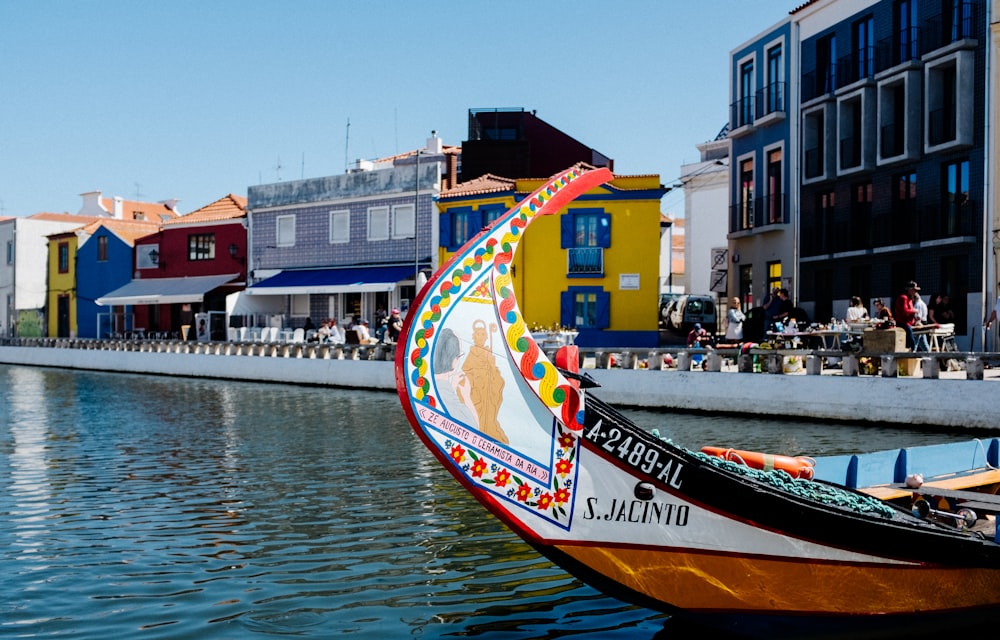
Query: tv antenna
<point x="277" y="169"/>
<point x="347" y="143"/>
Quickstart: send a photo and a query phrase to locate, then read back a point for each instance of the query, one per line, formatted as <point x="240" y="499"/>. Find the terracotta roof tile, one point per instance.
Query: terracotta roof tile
<point x="488" y="183"/>
<point x="226" y="208"/>
<point x="154" y="211"/>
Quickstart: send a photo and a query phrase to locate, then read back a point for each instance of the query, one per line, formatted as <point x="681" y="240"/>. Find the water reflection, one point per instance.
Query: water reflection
<point x="204" y="509"/>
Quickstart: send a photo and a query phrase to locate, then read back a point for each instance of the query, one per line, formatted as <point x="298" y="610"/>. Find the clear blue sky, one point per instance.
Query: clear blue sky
<point x="193" y="100"/>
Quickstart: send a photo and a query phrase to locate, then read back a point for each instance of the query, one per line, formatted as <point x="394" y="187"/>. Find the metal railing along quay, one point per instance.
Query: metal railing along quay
<point x="968" y="365"/>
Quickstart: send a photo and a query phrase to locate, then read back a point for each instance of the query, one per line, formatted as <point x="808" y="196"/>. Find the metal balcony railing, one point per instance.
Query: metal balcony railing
<point x="741" y="112"/>
<point x="585" y="261"/>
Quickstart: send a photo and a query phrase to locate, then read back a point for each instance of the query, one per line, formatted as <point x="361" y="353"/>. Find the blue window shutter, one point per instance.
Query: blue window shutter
<point x="566" y="317"/>
<point x="604" y="230"/>
<point x="603" y="310"/>
<point x="566" y="239"/>
<point x="444" y="230"/>
<point x="475" y="222"/>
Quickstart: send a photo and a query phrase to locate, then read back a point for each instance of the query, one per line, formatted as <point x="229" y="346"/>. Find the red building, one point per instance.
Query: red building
<point x="184" y="272"/>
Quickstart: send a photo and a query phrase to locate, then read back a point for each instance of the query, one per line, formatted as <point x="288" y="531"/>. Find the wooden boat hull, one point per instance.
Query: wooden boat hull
<point x="640" y="518"/>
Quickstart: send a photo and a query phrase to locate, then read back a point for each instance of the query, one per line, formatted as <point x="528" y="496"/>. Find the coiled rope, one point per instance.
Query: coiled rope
<point x="800" y="487"/>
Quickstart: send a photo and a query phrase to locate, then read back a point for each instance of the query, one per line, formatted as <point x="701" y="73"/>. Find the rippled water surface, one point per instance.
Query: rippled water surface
<point x="145" y="507"/>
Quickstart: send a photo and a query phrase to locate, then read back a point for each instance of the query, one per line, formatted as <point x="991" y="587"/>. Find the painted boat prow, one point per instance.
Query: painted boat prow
<point x="640" y="518"/>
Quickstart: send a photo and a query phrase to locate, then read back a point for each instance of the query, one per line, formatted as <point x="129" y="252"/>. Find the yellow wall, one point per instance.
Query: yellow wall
<point x="61" y="284"/>
<point x="541" y="264"/>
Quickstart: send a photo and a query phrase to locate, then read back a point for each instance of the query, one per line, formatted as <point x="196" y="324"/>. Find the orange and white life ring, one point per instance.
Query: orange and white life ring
<point x="797" y="466"/>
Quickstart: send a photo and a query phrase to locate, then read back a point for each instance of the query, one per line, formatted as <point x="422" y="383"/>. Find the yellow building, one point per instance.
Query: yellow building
<point x="593" y="268"/>
<point x="61" y="303"/>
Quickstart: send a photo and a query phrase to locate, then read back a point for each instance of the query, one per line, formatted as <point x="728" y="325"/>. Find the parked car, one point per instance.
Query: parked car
<point x="681" y="314"/>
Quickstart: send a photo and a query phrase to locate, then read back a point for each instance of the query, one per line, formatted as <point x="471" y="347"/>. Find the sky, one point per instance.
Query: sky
<point x="195" y="99"/>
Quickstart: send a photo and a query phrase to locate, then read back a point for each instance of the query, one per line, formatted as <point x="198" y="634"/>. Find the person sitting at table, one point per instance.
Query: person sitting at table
<point x="882" y="312"/>
<point x="336" y="333"/>
<point x="364" y="336"/>
<point x="856" y="312"/>
<point x="939" y="311"/>
<point x="697" y="338"/>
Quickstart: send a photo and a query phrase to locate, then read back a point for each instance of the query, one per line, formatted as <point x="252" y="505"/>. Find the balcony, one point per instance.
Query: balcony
<point x="856" y="66"/>
<point x="814" y="163"/>
<point x="818" y="83"/>
<point x="949" y="28"/>
<point x="585" y="261"/>
<point x="741" y="117"/>
<point x="771" y="103"/>
<point x="902" y="47"/>
<point x="941" y="126"/>
<point x="850" y="153"/>
<point x="892" y="140"/>
<point x="760" y="213"/>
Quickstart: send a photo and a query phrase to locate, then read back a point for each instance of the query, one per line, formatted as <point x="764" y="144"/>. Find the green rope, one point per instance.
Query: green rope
<point x="780" y="479"/>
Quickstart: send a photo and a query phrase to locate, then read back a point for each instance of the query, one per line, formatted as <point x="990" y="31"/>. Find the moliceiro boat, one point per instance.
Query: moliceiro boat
<point x="709" y="539"/>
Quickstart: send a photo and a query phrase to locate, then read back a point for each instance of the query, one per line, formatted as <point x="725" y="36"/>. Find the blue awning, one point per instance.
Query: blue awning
<point x="350" y="280"/>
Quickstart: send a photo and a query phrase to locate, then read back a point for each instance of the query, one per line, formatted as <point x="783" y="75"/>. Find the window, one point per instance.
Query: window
<point x="10" y="252"/>
<point x="864" y="49"/>
<point x="744" y="109"/>
<point x="775" y="99"/>
<point x="300" y="304"/>
<point x="585" y="308"/>
<point x="378" y="223"/>
<point x="745" y="199"/>
<point x="850" y="133"/>
<point x="892" y="115"/>
<point x="907" y="32"/>
<point x="826" y="203"/>
<point x="201" y="247"/>
<point x="861" y="216"/>
<point x="492" y="214"/>
<point x="904" y="208"/>
<point x="340" y="227"/>
<point x="826" y="64"/>
<point x="814" y="138"/>
<point x="403" y="222"/>
<point x="585" y="233"/>
<point x="63" y="256"/>
<point x="773" y="276"/>
<point x="957" y="21"/>
<point x="949" y="83"/>
<point x="102" y="248"/>
<point x="460" y="227"/>
<point x="956" y="198"/>
<point x="775" y="196"/>
<point x="285" y="231"/>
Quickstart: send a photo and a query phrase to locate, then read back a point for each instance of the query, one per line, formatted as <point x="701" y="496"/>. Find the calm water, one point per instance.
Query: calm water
<point x="145" y="507"/>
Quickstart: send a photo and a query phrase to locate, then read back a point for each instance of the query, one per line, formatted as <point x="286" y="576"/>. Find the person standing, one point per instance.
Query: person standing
<point x="735" y="317"/>
<point x="921" y="309"/>
<point x="995" y="313"/>
<point x="856" y="312"/>
<point x="904" y="312"/>
<point x="395" y="325"/>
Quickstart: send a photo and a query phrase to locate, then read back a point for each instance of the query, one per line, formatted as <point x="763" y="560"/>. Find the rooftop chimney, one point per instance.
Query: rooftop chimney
<point x="434" y="144"/>
<point x="92" y="205"/>
<point x="119" y="208"/>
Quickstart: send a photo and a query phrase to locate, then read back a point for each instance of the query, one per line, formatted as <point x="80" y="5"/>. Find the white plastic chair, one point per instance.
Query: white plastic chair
<point x="299" y="335"/>
<point x="265" y="334"/>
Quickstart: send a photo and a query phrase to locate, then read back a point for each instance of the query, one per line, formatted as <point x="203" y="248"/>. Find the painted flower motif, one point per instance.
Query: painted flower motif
<point x="562" y="495"/>
<point x="566" y="441"/>
<point x="564" y="467"/>
<point x="502" y="478"/>
<point x="478" y="467"/>
<point x="524" y="492"/>
<point x="545" y="501"/>
<point x="458" y="453"/>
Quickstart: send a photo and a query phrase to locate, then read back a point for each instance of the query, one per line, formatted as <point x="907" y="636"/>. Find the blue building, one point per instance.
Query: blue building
<point x="762" y="163"/>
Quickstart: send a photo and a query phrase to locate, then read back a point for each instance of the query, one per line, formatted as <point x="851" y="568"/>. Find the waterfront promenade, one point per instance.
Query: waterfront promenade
<point x="960" y="399"/>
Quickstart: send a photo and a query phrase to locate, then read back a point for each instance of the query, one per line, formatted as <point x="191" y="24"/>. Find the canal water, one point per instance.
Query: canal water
<point x="151" y="507"/>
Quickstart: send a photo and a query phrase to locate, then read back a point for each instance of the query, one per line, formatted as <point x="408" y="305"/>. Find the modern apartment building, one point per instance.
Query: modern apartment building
<point x="883" y="145"/>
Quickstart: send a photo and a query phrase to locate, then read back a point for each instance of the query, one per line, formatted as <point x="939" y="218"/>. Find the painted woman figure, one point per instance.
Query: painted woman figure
<point x="487" y="383"/>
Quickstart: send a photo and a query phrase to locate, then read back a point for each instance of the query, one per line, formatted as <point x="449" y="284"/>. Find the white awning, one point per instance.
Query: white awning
<point x="242" y="304"/>
<point x="164" y="290"/>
